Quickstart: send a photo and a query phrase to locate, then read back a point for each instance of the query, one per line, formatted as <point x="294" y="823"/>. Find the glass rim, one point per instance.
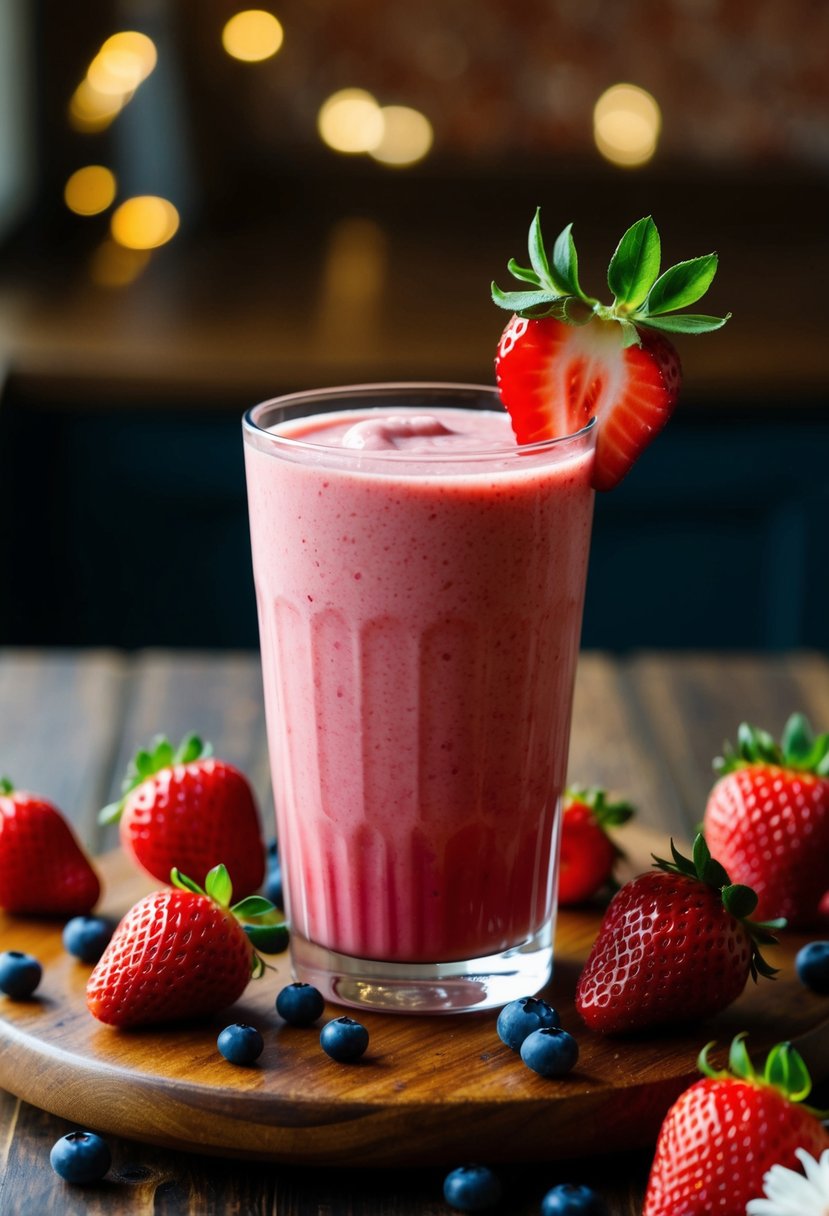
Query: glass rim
<point x="256" y="434"/>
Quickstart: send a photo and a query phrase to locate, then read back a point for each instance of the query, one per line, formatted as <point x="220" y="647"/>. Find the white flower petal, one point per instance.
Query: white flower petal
<point x="790" y="1193"/>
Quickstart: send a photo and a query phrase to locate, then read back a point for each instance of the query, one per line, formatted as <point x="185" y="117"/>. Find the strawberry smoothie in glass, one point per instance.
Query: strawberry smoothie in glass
<point x="420" y="581"/>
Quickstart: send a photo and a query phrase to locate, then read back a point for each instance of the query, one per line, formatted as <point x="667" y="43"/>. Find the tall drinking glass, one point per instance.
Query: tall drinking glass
<point x="420" y="582"/>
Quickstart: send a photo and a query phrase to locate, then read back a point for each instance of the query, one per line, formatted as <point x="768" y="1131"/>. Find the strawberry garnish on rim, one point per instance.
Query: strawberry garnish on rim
<point x="565" y="358"/>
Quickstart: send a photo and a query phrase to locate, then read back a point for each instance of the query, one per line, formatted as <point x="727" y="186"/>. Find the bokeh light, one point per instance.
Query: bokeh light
<point x="123" y="62"/>
<point x="90" y="190"/>
<point x="626" y="125"/>
<point x="113" y="265"/>
<point x="91" y="111"/>
<point x="351" y="121"/>
<point x="144" y="222"/>
<point x="252" y="35"/>
<point x="407" y="136"/>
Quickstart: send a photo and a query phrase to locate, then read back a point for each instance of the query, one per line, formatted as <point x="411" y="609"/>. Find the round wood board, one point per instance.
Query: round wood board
<point x="430" y="1090"/>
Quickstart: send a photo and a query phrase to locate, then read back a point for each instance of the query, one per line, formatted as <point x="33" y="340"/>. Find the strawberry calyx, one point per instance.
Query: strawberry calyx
<point x="6" y="786"/>
<point x="607" y="814"/>
<point x="261" y="920"/>
<point x="642" y="297"/>
<point x="784" y="1070"/>
<point x="148" y="761"/>
<point x="799" y="749"/>
<point x="738" y="900"/>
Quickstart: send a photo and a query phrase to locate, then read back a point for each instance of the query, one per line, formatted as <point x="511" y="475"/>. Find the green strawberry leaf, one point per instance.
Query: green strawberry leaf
<point x="566" y="263"/>
<point x="707" y="869"/>
<point x="685" y="323"/>
<point x="161" y="750"/>
<point x="739" y="1061"/>
<point x="521" y="301"/>
<point x="739" y="900"/>
<point x="538" y="257"/>
<point x="270" y="939"/>
<point x="682" y="285"/>
<point x="184" y="883"/>
<point x="252" y="907"/>
<point x="523" y="272"/>
<point x="192" y="748"/>
<point x="634" y="267"/>
<point x="798" y="740"/>
<point x="218" y="886"/>
<point x="6" y="786"/>
<point x="785" y="1070"/>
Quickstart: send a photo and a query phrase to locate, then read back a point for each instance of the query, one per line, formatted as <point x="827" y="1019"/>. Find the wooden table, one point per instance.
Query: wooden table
<point x="645" y="726"/>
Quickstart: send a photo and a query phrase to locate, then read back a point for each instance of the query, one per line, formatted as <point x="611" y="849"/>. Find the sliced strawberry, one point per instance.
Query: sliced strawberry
<point x="553" y="378"/>
<point x="564" y="358"/>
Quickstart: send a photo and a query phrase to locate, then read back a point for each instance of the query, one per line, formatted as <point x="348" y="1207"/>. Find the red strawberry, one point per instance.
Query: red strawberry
<point x="674" y="946"/>
<point x="43" y="869"/>
<point x="723" y="1134"/>
<point x="186" y="809"/>
<point x="587" y="852"/>
<point x="564" y="358"/>
<point x="178" y="954"/>
<point x="767" y="819"/>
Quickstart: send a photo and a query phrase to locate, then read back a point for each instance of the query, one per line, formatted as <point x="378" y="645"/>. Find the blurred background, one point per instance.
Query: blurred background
<point x="203" y="205"/>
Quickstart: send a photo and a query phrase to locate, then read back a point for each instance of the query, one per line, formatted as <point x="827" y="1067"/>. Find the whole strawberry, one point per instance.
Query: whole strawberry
<point x="184" y="808"/>
<point x="178" y="954"/>
<point x="675" y="945"/>
<point x="722" y="1135"/>
<point x="588" y="855"/>
<point x="767" y="818"/>
<point x="43" y="869"/>
<point x="565" y="358"/>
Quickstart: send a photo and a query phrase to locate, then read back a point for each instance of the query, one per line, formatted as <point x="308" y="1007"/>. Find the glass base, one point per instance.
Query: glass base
<point x="458" y="987"/>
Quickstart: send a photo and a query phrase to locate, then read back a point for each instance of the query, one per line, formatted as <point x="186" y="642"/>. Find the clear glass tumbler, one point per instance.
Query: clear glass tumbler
<point x="420" y="611"/>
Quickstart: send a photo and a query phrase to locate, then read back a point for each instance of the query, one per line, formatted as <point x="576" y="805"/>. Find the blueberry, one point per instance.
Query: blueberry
<point x="80" y="1157"/>
<point x="300" y="1004"/>
<point x="471" y="1188"/>
<point x="344" y="1040"/>
<point x="571" y="1200"/>
<point x="240" y="1044"/>
<point x="812" y="964"/>
<point x="522" y="1017"/>
<point x="552" y="1052"/>
<point x="273" y="882"/>
<point x="87" y="937"/>
<point x="20" y="974"/>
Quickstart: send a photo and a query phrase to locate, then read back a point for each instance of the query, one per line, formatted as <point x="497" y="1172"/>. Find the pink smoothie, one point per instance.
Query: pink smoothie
<point x="420" y="586"/>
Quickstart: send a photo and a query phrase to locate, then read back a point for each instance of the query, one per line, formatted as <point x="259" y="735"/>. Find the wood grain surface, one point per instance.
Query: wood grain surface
<point x="646" y="726"/>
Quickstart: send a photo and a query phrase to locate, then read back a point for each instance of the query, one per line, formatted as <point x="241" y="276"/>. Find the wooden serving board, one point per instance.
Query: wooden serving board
<point x="430" y="1090"/>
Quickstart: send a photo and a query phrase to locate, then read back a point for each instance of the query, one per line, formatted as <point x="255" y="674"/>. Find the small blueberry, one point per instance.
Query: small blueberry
<point x="471" y="1188"/>
<point x="20" y="974"/>
<point x="812" y="963"/>
<point x="522" y="1017"/>
<point x="571" y="1200"/>
<point x="240" y="1044"/>
<point x="80" y="1157"/>
<point x="300" y="1004"/>
<point x="87" y="937"/>
<point x="344" y="1040"/>
<point x="552" y="1052"/>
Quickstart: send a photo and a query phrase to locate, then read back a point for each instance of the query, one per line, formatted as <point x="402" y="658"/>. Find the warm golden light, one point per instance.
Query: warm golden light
<point x="114" y="266"/>
<point x="90" y="190"/>
<point x="90" y="110"/>
<point x="626" y="125"/>
<point x="407" y="136"/>
<point x="252" y="36"/>
<point x="351" y="121"/>
<point x="144" y="222"/>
